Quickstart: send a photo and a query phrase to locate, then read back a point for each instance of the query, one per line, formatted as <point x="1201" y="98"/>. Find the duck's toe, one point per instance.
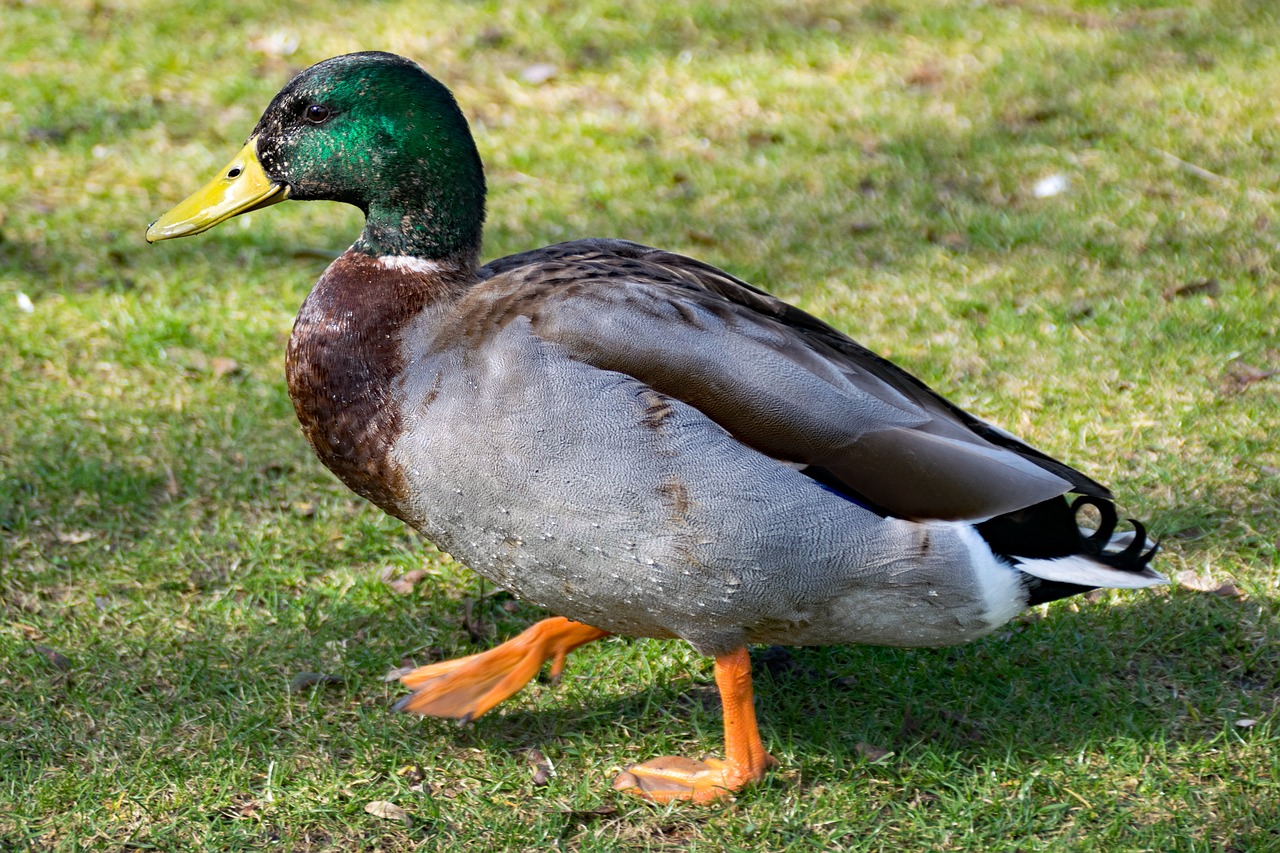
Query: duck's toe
<point x="465" y="688"/>
<point x="673" y="777"/>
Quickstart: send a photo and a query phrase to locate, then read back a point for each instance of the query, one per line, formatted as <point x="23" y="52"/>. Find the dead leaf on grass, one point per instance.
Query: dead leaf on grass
<point x="1240" y="375"/>
<point x="1202" y="582"/>
<point x="31" y="631"/>
<point x="417" y="779"/>
<point x="395" y="674"/>
<point x="1199" y="287"/>
<point x="921" y="798"/>
<point x="953" y="240"/>
<point x="222" y="366"/>
<point x="542" y="769"/>
<point x="871" y="753"/>
<point x="925" y="76"/>
<point x="387" y="811"/>
<point x="75" y="537"/>
<point x="404" y="584"/>
<point x="242" y="806"/>
<point x="53" y="656"/>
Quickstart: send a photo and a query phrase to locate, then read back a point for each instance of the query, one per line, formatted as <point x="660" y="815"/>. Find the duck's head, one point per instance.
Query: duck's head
<point x="369" y="129"/>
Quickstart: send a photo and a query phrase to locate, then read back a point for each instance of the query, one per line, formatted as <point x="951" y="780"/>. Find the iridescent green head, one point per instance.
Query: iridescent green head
<point x="369" y="129"/>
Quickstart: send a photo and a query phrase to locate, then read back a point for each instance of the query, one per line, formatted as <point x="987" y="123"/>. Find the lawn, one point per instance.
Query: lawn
<point x="1062" y="215"/>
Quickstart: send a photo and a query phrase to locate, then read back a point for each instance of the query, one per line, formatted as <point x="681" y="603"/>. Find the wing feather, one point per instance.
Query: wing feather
<point x="774" y="377"/>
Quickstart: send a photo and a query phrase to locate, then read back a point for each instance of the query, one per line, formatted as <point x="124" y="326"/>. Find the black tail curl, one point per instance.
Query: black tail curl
<point x="1051" y="529"/>
<point x="1133" y="558"/>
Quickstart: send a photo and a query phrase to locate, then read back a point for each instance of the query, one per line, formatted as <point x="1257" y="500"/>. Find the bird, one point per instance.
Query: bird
<point x="636" y="441"/>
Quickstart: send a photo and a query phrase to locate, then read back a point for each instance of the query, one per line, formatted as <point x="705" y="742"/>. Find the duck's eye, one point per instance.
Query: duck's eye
<point x="316" y="113"/>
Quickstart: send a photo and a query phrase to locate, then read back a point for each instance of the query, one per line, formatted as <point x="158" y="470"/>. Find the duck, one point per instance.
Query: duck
<point x="637" y="441"/>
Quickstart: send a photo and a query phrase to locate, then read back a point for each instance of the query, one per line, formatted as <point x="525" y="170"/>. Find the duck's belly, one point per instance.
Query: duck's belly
<point x="589" y="494"/>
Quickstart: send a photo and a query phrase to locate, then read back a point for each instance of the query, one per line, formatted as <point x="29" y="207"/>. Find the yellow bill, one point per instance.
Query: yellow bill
<point x="241" y="187"/>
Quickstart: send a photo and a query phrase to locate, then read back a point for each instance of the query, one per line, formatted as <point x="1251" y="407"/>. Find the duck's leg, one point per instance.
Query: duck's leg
<point x="677" y="778"/>
<point x="467" y="687"/>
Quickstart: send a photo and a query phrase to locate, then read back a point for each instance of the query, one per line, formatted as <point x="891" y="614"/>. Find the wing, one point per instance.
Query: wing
<point x="774" y="377"/>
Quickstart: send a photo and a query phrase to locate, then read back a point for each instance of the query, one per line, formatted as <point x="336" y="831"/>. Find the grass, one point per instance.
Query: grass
<point x="171" y="555"/>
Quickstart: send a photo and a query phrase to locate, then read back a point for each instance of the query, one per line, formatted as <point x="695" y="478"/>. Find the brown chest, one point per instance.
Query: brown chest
<point x="344" y="365"/>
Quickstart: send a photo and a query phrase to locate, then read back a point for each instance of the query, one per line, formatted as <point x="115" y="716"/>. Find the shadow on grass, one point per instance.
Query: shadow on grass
<point x="1037" y="687"/>
<point x="1154" y="669"/>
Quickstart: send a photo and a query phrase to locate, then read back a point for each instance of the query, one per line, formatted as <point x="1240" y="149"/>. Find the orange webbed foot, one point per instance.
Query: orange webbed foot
<point x="465" y="688"/>
<point x="673" y="777"/>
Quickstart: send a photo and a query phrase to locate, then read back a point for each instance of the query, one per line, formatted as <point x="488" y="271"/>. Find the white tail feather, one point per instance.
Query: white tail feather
<point x="1086" y="571"/>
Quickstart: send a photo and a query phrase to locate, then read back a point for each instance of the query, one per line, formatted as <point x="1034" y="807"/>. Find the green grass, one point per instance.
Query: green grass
<point x="171" y="555"/>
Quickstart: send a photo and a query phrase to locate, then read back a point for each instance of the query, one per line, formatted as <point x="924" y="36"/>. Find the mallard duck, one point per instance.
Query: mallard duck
<point x="634" y="440"/>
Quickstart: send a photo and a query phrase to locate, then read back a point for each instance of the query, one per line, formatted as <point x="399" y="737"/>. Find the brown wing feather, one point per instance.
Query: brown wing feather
<point x="776" y="378"/>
